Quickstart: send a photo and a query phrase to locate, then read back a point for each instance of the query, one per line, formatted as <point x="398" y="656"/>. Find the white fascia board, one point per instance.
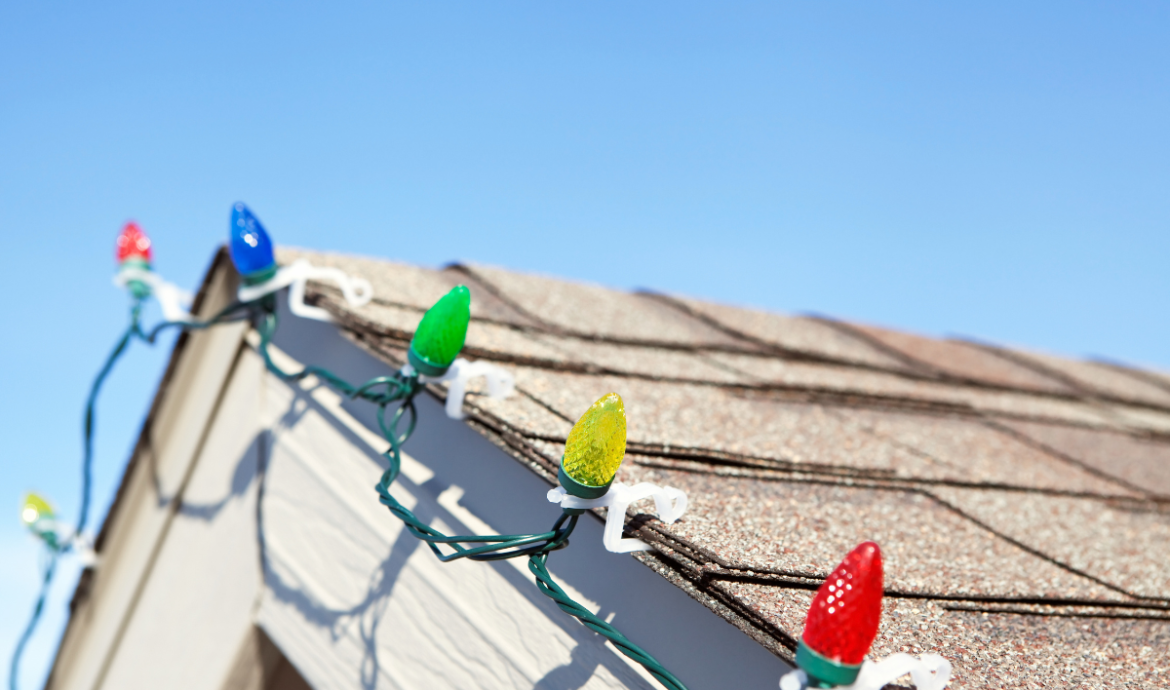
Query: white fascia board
<point x="351" y="599"/>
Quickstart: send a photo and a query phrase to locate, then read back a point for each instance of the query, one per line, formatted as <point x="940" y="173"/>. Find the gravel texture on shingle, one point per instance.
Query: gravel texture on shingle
<point x="523" y="414"/>
<point x="795" y="373"/>
<point x="1101" y="378"/>
<point x="796" y="333"/>
<point x="807" y="528"/>
<point x="644" y="361"/>
<point x="483" y="337"/>
<point x="980" y="453"/>
<point x="1141" y="419"/>
<point x="599" y="311"/>
<point x="925" y="447"/>
<point x="1142" y="463"/>
<point x="966" y="361"/>
<point x="1016" y="404"/>
<point x="843" y="379"/>
<point x="1125" y="545"/>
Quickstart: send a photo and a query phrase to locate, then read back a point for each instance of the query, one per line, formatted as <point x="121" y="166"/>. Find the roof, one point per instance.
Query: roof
<point x="1021" y="500"/>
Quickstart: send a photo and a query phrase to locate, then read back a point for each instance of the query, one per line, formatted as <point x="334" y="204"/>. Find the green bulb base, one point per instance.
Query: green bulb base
<point x="257" y="277"/>
<point x="576" y="488"/>
<point x="49" y="537"/>
<point x="139" y="289"/>
<point x="425" y="366"/>
<point x="822" y="672"/>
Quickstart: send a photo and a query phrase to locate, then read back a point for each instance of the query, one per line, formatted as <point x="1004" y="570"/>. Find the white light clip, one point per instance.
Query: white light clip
<point x="357" y="291"/>
<point x="670" y="502"/>
<point x="929" y="672"/>
<point x="173" y="299"/>
<point x="500" y="383"/>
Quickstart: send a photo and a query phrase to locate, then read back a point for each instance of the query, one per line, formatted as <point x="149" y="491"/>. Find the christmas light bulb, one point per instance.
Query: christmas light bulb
<point x="133" y="245"/>
<point x="595" y="448"/>
<point x="134" y="252"/>
<point x="843" y="618"/>
<point x="250" y="247"/>
<point x="35" y="509"/>
<point x="441" y="333"/>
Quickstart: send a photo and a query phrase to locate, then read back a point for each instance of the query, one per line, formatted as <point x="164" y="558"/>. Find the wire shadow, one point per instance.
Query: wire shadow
<point x="370" y="611"/>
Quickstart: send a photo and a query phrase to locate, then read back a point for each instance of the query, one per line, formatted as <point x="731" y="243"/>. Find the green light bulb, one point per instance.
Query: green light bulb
<point x="441" y="333"/>
<point x="595" y="448"/>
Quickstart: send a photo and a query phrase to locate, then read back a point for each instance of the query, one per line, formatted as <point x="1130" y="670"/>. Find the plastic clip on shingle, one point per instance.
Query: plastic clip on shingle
<point x="670" y="502"/>
<point x="842" y="622"/>
<point x="593" y="452"/>
<point x="357" y="291"/>
<point x="500" y="383"/>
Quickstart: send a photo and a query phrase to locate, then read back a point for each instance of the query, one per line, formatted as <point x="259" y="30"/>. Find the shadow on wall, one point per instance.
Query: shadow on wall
<point x="369" y="611"/>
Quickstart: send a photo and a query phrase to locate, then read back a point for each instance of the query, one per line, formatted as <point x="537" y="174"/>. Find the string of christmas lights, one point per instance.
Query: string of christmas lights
<point x="844" y="615"/>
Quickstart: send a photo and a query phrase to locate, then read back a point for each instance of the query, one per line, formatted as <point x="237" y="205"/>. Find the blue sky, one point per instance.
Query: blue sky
<point x="995" y="169"/>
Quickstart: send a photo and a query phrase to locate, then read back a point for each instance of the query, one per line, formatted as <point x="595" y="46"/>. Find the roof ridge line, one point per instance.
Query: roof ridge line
<point x="817" y="473"/>
<point x="698" y="350"/>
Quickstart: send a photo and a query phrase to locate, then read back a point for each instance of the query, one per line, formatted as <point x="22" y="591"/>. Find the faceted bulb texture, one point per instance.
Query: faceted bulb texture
<point x="844" y="616"/>
<point x="443" y="328"/>
<point x="597" y="443"/>
<point x="35" y="508"/>
<point x="133" y="244"/>
<point x="250" y="247"/>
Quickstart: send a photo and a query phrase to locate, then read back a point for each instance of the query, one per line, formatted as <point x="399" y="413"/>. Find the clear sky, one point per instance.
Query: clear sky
<point x="990" y="169"/>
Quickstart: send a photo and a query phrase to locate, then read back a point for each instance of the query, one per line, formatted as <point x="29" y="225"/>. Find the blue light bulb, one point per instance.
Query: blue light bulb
<point x="250" y="247"/>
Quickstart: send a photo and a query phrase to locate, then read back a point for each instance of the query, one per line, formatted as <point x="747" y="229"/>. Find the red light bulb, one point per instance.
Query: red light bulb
<point x="133" y="244"/>
<point x="844" y="615"/>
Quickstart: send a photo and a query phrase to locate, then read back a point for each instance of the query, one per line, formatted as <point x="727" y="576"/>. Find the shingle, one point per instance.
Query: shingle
<point x="485" y="303"/>
<point x="795" y="373"/>
<point x="796" y="333"/>
<point x="1141" y="418"/>
<point x="601" y="312"/>
<point x="1144" y="464"/>
<point x="680" y="415"/>
<point x="523" y="414"/>
<point x="483" y="337"/>
<point x="1012" y="404"/>
<point x="844" y="379"/>
<point x="996" y="650"/>
<point x="806" y="528"/>
<point x="1126" y="546"/>
<point x="643" y="361"/>
<point x="891" y="444"/>
<point x="1102" y="378"/>
<point x="965" y="361"/>
<point x="826" y="456"/>
<point x="975" y="452"/>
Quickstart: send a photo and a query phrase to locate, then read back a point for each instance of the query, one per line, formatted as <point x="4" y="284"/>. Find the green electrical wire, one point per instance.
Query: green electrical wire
<point x="89" y="425"/>
<point x="381" y="391"/>
<point x="488" y="548"/>
<point x="46" y="580"/>
<point x="544" y="581"/>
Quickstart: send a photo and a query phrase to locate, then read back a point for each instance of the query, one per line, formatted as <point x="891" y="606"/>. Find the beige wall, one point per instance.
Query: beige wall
<point x="194" y="562"/>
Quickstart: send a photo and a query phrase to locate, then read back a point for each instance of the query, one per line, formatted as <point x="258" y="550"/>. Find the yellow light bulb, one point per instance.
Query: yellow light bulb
<point x="34" y="509"/>
<point x="597" y="443"/>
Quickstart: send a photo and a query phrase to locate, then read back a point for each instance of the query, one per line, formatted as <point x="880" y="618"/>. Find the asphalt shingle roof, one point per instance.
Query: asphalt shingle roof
<point x="1022" y="501"/>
